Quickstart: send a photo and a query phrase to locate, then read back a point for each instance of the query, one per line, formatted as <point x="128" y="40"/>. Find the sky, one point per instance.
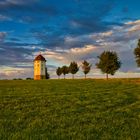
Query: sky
<point x="67" y="30"/>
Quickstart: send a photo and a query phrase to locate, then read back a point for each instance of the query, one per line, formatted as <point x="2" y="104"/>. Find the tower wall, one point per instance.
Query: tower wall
<point x="39" y="70"/>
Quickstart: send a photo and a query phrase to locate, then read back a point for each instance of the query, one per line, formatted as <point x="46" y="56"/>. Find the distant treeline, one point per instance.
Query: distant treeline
<point x="108" y="63"/>
<point x="73" y="68"/>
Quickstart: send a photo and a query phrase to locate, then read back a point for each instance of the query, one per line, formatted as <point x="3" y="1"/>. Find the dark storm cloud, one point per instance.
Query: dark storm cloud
<point x="10" y="55"/>
<point x="123" y="36"/>
<point x="27" y="11"/>
<point x="72" y="18"/>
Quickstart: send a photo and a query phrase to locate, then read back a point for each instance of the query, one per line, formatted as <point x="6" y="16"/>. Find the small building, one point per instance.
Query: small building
<point x="39" y="67"/>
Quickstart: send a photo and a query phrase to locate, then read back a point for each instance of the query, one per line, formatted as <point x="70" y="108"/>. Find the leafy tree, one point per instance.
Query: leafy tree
<point x="47" y="74"/>
<point x="108" y="63"/>
<point x="73" y="68"/>
<point x="137" y="53"/>
<point x="65" y="70"/>
<point x="17" y="79"/>
<point x="86" y="67"/>
<point x="58" y="72"/>
<point x="29" y="78"/>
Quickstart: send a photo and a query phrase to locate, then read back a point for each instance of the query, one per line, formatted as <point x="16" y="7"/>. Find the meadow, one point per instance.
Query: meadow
<point x="70" y="109"/>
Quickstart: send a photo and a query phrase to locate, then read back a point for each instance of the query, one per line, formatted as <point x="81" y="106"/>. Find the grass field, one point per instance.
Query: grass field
<point x="70" y="110"/>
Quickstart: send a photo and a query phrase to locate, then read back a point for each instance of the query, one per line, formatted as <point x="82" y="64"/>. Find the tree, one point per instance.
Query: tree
<point x="73" y="68"/>
<point x="137" y="53"/>
<point x="58" y="72"/>
<point x="47" y="74"/>
<point x="65" y="70"/>
<point x="86" y="67"/>
<point x="29" y="78"/>
<point x="108" y="63"/>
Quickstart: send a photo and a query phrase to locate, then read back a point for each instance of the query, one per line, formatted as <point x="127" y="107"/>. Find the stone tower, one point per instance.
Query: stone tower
<point x="39" y="67"/>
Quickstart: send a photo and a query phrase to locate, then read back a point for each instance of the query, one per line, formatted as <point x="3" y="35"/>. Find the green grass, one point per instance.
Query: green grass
<point x="70" y="110"/>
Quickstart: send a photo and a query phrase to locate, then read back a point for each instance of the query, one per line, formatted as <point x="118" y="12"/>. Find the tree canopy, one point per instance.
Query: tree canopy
<point x="58" y="71"/>
<point x="108" y="63"/>
<point x="137" y="53"/>
<point x="73" y="68"/>
<point x="86" y="67"/>
<point x="65" y="70"/>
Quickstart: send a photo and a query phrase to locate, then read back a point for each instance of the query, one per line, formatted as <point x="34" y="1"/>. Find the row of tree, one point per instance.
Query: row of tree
<point x="108" y="63"/>
<point x="73" y="68"/>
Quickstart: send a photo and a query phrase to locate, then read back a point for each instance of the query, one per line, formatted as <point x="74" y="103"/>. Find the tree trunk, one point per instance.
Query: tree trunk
<point x="72" y="76"/>
<point x="64" y="76"/>
<point x="85" y="76"/>
<point x="107" y="76"/>
<point x="58" y="77"/>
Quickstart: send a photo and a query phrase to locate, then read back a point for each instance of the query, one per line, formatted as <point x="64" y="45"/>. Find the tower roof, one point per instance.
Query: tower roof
<point x="39" y="58"/>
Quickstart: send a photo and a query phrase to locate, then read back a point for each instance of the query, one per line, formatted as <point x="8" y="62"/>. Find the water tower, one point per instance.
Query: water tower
<point x="39" y="67"/>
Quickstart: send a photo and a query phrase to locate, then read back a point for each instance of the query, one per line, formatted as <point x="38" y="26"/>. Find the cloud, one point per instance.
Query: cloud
<point x="133" y="22"/>
<point x="74" y="54"/>
<point x="73" y="19"/>
<point x="2" y="36"/>
<point x="11" y="72"/>
<point x="11" y="56"/>
<point x="118" y="34"/>
<point x="118" y="39"/>
<point x="18" y="2"/>
<point x="135" y="26"/>
<point x="107" y="34"/>
<point x="79" y="48"/>
<point x="32" y="11"/>
<point x="70" y="31"/>
<point x="4" y="18"/>
<point x="15" y="2"/>
<point x="84" y="50"/>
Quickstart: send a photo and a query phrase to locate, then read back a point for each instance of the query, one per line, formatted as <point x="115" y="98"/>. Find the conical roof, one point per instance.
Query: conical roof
<point x="39" y="58"/>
